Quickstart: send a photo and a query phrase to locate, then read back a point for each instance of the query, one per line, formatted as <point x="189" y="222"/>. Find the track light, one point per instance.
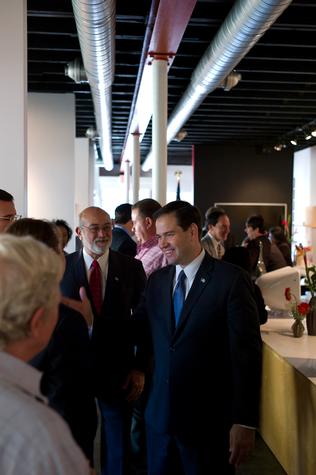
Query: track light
<point x="313" y="132"/>
<point x="308" y="135"/>
<point x="278" y="147"/>
<point x="293" y="141"/>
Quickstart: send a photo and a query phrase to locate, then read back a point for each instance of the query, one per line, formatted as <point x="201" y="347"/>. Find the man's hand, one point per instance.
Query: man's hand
<point x="242" y="442"/>
<point x="134" y="385"/>
<point x="83" y="306"/>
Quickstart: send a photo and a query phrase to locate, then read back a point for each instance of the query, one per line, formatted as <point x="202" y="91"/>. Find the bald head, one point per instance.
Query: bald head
<point x="95" y="231"/>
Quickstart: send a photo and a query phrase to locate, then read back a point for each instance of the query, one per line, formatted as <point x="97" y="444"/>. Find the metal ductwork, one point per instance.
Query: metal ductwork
<point x="76" y="71"/>
<point x="247" y="21"/>
<point x="95" y="21"/>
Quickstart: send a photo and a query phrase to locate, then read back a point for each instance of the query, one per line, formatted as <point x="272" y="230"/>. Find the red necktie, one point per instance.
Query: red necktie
<point x="95" y="284"/>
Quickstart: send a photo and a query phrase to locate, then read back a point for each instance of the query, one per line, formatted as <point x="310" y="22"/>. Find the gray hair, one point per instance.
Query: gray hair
<point x="29" y="276"/>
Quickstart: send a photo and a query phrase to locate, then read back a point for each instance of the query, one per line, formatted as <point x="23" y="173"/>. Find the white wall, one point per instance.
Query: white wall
<point x="13" y="100"/>
<point x="304" y="194"/>
<point x="51" y="162"/>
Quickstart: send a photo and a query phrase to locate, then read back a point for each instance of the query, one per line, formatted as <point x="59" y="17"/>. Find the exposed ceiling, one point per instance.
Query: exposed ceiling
<point x="274" y="102"/>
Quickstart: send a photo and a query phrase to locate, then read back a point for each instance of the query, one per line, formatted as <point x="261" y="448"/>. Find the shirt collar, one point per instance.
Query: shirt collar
<point x="151" y="242"/>
<point x="20" y="374"/>
<point x="191" y="269"/>
<point x="102" y="260"/>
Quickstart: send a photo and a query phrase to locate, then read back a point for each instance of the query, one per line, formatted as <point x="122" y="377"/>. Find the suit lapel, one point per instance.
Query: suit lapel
<point x="202" y="278"/>
<point x="167" y="306"/>
<point x="112" y="281"/>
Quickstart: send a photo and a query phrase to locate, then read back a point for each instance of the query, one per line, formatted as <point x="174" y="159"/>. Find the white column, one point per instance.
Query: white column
<point x="51" y="162"/>
<point x="13" y="54"/>
<point x="127" y="180"/>
<point x="136" y="166"/>
<point x="159" y="130"/>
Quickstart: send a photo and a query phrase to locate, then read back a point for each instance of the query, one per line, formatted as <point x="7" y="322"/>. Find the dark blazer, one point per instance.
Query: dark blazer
<point x="207" y="372"/>
<point x="66" y="380"/>
<point x="123" y="243"/>
<point x="115" y="330"/>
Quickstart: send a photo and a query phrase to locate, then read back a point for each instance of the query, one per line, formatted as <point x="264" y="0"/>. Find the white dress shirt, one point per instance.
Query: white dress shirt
<point x="34" y="439"/>
<point x="190" y="272"/>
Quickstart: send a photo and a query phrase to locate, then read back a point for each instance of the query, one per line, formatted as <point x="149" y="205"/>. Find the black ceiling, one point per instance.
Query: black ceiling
<point x="275" y="100"/>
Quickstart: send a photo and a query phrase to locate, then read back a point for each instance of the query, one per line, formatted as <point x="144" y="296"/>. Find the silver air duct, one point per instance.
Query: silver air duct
<point x="246" y="23"/>
<point x="95" y="21"/>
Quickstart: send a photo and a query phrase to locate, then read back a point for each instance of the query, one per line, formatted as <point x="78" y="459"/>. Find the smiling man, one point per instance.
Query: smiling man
<point x="204" y="398"/>
<point x="114" y="283"/>
<point x="218" y="228"/>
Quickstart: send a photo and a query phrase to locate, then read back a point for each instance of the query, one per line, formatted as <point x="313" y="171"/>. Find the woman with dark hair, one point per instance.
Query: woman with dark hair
<point x="64" y="232"/>
<point x="65" y="362"/>
<point x="277" y="236"/>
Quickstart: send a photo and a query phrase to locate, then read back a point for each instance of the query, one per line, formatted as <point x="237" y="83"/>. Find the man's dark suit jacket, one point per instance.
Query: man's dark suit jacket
<point x="123" y="243"/>
<point x="207" y="372"/>
<point x="114" y="330"/>
<point x="66" y="380"/>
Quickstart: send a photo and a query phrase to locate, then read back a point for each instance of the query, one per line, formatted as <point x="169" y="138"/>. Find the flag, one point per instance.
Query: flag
<point x="178" y="190"/>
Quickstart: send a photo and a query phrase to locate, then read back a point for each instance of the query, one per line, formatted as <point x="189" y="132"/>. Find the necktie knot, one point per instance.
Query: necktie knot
<point x="179" y="296"/>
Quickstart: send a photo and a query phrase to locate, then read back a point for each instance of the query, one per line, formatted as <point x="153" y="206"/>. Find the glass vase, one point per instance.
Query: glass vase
<point x="297" y="328"/>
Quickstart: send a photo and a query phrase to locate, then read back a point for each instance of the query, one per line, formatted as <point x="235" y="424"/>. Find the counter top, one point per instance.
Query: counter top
<point x="299" y="352"/>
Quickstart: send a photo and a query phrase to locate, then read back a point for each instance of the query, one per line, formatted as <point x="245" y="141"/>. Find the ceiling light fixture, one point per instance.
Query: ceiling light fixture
<point x="278" y="147"/>
<point x="293" y="141"/>
<point x="313" y="132"/>
<point x="308" y="135"/>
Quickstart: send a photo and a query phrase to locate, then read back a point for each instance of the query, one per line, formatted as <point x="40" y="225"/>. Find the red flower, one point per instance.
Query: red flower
<point x="288" y="294"/>
<point x="303" y="308"/>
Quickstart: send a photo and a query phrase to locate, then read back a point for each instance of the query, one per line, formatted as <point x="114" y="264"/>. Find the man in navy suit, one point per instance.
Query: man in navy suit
<point x="204" y="397"/>
<point x="118" y="369"/>
<point x="122" y="231"/>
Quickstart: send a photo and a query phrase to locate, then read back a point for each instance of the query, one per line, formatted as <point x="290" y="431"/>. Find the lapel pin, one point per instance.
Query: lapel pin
<point x="203" y="280"/>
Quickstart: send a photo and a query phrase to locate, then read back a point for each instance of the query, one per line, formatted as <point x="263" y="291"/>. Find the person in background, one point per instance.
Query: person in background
<point x="204" y="322"/>
<point x="148" y="251"/>
<point x="272" y="256"/>
<point x="114" y="284"/>
<point x="33" y="437"/>
<point x="7" y="210"/>
<point x="122" y="231"/>
<point x="218" y="228"/>
<point x="65" y="232"/>
<point x="66" y="361"/>
<point x="240" y="257"/>
<point x="277" y="237"/>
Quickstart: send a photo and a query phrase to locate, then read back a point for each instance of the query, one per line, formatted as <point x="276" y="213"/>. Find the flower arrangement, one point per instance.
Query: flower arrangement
<point x="298" y="310"/>
<point x="310" y="271"/>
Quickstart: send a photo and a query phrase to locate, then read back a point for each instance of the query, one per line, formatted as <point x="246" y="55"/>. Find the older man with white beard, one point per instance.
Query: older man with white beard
<point x="114" y="283"/>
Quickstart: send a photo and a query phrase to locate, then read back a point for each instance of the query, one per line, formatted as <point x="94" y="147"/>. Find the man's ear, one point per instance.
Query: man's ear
<point x="149" y="222"/>
<point x="36" y="322"/>
<point x="78" y="232"/>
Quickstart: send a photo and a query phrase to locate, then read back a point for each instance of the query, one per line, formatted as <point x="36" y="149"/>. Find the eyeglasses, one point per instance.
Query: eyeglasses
<point x="94" y="229"/>
<point x="15" y="217"/>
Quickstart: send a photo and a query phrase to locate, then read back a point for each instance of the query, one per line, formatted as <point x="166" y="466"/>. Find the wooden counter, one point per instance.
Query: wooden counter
<point x="288" y="403"/>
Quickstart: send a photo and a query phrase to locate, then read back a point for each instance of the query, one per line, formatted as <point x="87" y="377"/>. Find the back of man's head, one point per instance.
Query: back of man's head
<point x="256" y="221"/>
<point x="185" y="214"/>
<point x="123" y="213"/>
<point x="147" y="207"/>
<point x="29" y="277"/>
